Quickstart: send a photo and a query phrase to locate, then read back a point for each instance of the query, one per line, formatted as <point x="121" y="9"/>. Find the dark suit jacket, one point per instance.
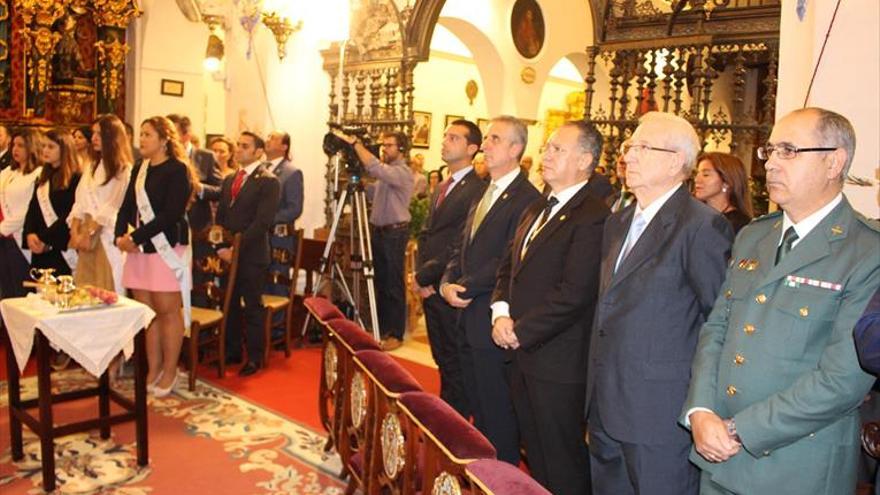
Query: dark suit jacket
<point x="209" y="175"/>
<point x="649" y="315"/>
<point x="290" y="206"/>
<point x="6" y="159"/>
<point x="252" y="213"/>
<point x="443" y="228"/>
<point x="867" y="335"/>
<point x="474" y="262"/>
<point x="56" y="235"/>
<point x="552" y="289"/>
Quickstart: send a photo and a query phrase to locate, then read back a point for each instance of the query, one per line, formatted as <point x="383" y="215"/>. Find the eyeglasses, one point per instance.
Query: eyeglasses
<point x="641" y="148"/>
<point x="786" y="151"/>
<point x="552" y="148"/>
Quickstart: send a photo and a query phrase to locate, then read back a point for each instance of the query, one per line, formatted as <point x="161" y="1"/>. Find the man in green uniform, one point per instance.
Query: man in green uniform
<point x="776" y="383"/>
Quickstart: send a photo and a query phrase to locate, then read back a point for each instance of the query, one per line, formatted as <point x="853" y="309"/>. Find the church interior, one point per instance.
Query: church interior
<point x="310" y="397"/>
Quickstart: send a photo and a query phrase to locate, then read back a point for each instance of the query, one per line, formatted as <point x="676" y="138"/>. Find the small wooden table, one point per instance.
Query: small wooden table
<point x="52" y="328"/>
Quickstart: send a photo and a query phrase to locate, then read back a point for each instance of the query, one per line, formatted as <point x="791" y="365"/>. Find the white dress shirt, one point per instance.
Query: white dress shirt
<point x="804" y="227"/>
<point x="502" y="308"/>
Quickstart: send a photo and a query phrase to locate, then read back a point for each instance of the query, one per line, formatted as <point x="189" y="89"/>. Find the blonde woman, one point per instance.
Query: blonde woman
<point x="16" y="188"/>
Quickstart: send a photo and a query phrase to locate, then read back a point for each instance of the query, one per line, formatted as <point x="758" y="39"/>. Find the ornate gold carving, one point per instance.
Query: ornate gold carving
<point x="446" y="484"/>
<point x="358" y="398"/>
<point x="281" y="29"/>
<point x="38" y="39"/>
<point x="69" y="102"/>
<point x="393" y="446"/>
<point x="112" y="57"/>
<point x="115" y="13"/>
<point x="330" y="364"/>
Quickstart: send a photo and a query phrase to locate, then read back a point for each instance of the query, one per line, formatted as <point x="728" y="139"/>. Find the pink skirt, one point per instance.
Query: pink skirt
<point x="148" y="271"/>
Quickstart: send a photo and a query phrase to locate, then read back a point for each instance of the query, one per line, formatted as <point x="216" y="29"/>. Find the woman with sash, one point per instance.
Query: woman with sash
<point x="152" y="229"/>
<point x="16" y="188"/>
<point x="98" y="198"/>
<point x="46" y="232"/>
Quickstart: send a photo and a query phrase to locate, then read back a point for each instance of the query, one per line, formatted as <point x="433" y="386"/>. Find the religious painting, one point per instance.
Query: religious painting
<point x="421" y="135"/>
<point x="527" y="28"/>
<point x="450" y="119"/>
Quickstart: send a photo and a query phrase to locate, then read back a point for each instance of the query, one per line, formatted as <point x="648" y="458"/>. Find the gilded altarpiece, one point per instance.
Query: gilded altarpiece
<point x="62" y="62"/>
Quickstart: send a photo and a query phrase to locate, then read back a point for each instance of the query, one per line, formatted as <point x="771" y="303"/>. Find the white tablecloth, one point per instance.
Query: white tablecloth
<point x="91" y="337"/>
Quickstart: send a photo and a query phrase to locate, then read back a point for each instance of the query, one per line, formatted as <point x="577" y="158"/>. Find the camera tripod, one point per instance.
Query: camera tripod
<point x="361" y="260"/>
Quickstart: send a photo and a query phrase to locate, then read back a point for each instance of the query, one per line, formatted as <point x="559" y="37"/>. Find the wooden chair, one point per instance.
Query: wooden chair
<point x="208" y="327"/>
<point x="491" y="477"/>
<point x="445" y="442"/>
<point x="377" y="380"/>
<point x="274" y="304"/>
<point x="310" y="253"/>
<point x="342" y="338"/>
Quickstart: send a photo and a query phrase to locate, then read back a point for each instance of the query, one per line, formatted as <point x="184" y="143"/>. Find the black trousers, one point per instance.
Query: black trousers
<point x="620" y="468"/>
<point x="248" y="286"/>
<point x="440" y="318"/>
<point x="551" y="422"/>
<point x="488" y="390"/>
<point x="14" y="269"/>
<point x="389" y="251"/>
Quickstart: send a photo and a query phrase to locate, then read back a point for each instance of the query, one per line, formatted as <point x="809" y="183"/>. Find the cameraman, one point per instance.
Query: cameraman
<point x="389" y="227"/>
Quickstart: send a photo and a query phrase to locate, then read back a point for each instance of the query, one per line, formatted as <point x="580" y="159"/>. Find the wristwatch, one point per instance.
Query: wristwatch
<point x="731" y="429"/>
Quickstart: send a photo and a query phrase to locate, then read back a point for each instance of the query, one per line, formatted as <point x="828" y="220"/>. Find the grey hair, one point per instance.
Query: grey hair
<point x="520" y="133"/>
<point x="679" y="135"/>
<point x="835" y="130"/>
<point x="589" y="139"/>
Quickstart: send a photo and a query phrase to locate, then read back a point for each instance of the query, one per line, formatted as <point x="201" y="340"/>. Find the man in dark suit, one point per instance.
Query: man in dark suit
<point x="543" y="307"/>
<point x="5" y="151"/>
<point x="449" y="207"/>
<point x="208" y="174"/>
<point x="290" y="206"/>
<point x="248" y="202"/>
<point x="470" y="279"/>
<point x="663" y="261"/>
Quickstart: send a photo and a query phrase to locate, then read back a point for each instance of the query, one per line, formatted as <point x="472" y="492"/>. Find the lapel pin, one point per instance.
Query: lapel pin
<point x="562" y="218"/>
<point x="837" y="230"/>
<point x="777" y="224"/>
<point x="504" y="196"/>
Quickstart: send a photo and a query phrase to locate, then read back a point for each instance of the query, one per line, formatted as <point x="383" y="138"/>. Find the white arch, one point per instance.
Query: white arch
<point x="486" y="57"/>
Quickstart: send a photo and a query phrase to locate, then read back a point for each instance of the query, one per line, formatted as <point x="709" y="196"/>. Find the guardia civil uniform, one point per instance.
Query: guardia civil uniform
<point x="777" y="355"/>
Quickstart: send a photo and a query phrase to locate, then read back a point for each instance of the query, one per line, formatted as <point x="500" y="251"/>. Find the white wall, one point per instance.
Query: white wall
<point x="847" y="81"/>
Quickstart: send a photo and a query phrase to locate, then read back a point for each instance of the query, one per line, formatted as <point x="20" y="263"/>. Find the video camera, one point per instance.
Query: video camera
<point x="334" y="144"/>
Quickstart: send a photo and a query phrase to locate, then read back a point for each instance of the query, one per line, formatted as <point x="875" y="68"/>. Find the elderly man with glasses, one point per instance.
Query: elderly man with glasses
<point x="776" y="382"/>
<point x="663" y="260"/>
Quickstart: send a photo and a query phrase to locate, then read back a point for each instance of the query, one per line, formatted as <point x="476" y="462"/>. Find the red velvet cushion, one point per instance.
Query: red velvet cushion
<point x="388" y="372"/>
<point x="447" y="426"/>
<point x="352" y="334"/>
<point x="323" y="309"/>
<point x="503" y="478"/>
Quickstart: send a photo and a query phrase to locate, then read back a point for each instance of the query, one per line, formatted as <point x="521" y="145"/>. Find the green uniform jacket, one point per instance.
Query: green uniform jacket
<point x="777" y="355"/>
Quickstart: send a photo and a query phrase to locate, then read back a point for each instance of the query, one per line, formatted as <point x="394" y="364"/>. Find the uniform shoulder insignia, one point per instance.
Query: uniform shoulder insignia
<point x="768" y="216"/>
<point x="868" y="222"/>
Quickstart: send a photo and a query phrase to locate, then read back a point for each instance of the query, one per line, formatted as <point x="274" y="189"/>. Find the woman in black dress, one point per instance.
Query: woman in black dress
<point x="721" y="182"/>
<point x="46" y="232"/>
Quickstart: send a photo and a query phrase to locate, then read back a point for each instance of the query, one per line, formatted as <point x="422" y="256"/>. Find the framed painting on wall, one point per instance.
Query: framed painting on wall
<point x="421" y="135"/>
<point x="171" y="87"/>
<point x="527" y="28"/>
<point x="450" y="119"/>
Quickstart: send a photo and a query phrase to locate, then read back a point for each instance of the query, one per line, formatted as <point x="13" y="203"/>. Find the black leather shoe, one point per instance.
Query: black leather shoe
<point x="249" y="369"/>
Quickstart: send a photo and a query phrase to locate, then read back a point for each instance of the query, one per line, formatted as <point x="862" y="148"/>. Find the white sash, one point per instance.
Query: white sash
<point x="180" y="267"/>
<point x="50" y="217"/>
